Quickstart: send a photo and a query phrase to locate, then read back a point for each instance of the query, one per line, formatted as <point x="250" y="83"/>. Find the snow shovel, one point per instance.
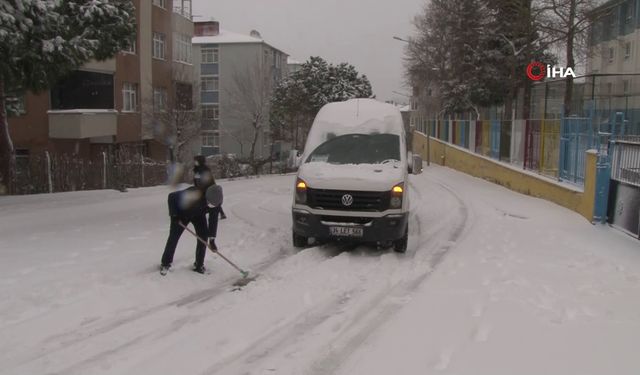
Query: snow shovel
<point x="245" y="274"/>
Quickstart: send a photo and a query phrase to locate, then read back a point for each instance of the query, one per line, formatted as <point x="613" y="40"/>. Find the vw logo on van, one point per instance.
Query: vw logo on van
<point x="347" y="200"/>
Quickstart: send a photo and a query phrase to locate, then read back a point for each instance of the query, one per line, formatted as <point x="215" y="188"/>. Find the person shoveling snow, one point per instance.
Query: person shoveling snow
<point x="190" y="206"/>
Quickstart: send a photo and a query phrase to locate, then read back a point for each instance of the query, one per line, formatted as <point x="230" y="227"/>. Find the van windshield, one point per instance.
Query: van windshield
<point x="358" y="149"/>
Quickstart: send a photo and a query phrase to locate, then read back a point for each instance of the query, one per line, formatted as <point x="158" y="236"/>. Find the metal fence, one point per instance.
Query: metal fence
<point x="553" y="147"/>
<point x="542" y="146"/>
<point x="577" y="135"/>
<point x="625" y="160"/>
<point x="550" y="147"/>
<point x="48" y="173"/>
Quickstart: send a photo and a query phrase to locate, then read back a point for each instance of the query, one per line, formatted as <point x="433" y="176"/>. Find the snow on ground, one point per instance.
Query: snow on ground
<point x="494" y="283"/>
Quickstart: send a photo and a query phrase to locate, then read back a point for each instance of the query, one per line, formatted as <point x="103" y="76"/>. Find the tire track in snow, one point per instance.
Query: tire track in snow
<point x="340" y="349"/>
<point x="282" y="335"/>
<point x="365" y="319"/>
<point x="76" y="339"/>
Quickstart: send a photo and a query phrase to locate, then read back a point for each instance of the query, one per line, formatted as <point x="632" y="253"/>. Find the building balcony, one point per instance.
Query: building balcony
<point x="83" y="123"/>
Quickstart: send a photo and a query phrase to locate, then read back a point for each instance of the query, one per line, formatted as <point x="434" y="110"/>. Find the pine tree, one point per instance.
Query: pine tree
<point x="42" y="40"/>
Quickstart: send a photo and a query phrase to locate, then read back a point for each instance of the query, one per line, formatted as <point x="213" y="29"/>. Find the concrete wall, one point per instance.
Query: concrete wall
<point x="580" y="201"/>
<point x="81" y="125"/>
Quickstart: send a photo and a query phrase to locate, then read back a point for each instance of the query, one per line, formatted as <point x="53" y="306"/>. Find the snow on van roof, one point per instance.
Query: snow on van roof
<point x="363" y="116"/>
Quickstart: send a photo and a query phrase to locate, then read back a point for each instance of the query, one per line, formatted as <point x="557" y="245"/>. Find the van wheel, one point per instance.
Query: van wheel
<point x="400" y="246"/>
<point x="300" y="241"/>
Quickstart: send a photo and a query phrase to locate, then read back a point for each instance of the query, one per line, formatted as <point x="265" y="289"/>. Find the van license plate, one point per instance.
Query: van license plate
<point x="346" y="231"/>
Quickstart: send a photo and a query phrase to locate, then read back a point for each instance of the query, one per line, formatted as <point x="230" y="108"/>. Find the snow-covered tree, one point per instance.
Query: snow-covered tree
<point x="473" y="51"/>
<point x="248" y="101"/>
<point x="451" y="51"/>
<point x="178" y="120"/>
<point x="42" y="40"/>
<point x="515" y="40"/>
<point x="298" y="98"/>
<point x="566" y="23"/>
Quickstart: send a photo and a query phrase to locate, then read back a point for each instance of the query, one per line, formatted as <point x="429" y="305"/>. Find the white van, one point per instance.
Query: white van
<point x="352" y="183"/>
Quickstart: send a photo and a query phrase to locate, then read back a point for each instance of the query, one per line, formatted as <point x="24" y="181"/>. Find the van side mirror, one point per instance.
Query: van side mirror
<point x="416" y="165"/>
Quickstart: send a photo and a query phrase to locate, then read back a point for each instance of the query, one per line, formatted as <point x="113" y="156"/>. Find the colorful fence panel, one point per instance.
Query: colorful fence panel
<point x="577" y="136"/>
<point x="542" y="151"/>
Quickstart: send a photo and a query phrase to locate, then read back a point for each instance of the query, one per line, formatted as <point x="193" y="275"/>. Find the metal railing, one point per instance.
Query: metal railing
<point x="625" y="160"/>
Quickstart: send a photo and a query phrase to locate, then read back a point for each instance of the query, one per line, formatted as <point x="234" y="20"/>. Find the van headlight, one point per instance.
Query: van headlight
<point x="397" y="193"/>
<point x="301" y="191"/>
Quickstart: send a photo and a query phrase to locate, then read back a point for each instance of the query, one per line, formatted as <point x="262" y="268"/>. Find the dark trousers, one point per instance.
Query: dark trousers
<point x="175" y="231"/>
<point x="214" y="213"/>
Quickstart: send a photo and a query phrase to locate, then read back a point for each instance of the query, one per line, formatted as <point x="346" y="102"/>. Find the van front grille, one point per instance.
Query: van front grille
<point x="362" y="200"/>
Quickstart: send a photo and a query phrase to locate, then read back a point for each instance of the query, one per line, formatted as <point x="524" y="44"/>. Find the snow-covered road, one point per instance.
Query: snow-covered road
<point x="494" y="283"/>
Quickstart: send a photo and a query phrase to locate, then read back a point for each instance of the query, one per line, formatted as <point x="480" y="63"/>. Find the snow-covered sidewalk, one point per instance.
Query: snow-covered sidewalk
<point x="494" y="283"/>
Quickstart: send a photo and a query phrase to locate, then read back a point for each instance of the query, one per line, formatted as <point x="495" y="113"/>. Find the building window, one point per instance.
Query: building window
<point x="131" y="49"/>
<point x="276" y="59"/>
<point x="209" y="83"/>
<point x="609" y="88"/>
<point x="627" y="50"/>
<point x="414" y="105"/>
<point x="160" y="3"/>
<point x="210" y="112"/>
<point x="210" y="139"/>
<point x="626" y="84"/>
<point x="182" y="7"/>
<point x="159" y="100"/>
<point x="210" y="56"/>
<point x="82" y="89"/>
<point x="158" y="45"/>
<point x="182" y="48"/>
<point x="612" y="53"/>
<point x="184" y="96"/>
<point x="129" y="97"/>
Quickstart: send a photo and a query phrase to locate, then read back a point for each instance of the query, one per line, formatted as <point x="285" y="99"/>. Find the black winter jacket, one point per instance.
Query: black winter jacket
<point x="190" y="203"/>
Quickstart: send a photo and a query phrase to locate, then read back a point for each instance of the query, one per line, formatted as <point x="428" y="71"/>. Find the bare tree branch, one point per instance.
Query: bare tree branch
<point x="249" y="103"/>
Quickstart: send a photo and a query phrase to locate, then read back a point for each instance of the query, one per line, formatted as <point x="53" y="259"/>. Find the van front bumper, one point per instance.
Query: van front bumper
<point x="374" y="229"/>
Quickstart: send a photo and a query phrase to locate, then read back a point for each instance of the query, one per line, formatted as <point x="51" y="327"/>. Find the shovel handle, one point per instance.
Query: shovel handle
<point x="244" y="273"/>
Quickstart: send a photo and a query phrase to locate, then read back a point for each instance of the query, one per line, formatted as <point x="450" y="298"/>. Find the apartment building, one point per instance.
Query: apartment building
<point x="110" y="105"/>
<point x="227" y="60"/>
<point x="613" y="64"/>
<point x="293" y="65"/>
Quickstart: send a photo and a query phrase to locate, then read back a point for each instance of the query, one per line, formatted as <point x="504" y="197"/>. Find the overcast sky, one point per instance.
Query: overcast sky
<point x="355" y="31"/>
